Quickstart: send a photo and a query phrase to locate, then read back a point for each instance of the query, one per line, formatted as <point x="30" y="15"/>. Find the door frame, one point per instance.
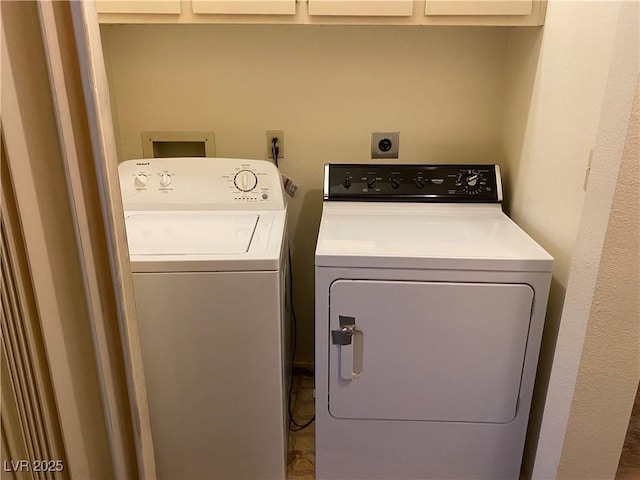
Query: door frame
<point x="63" y="168"/>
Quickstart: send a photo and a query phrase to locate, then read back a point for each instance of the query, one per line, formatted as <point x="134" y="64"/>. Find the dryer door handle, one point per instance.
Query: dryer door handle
<point x="344" y="338"/>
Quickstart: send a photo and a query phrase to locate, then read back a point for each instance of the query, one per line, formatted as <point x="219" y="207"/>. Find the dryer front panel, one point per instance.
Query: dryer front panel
<point x="432" y="351"/>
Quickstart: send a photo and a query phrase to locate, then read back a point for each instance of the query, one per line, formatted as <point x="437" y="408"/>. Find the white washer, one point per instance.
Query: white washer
<point x="208" y="250"/>
<point x="430" y="305"/>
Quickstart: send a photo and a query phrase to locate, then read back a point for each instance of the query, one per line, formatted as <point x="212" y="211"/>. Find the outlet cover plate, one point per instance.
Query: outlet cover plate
<point x="279" y="134"/>
<point x="385" y="144"/>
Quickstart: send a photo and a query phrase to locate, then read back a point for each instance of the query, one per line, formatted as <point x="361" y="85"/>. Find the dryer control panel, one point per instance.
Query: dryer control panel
<point x="455" y="183"/>
<point x="195" y="183"/>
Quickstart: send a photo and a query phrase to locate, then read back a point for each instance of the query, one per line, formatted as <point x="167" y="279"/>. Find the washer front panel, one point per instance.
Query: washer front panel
<point x="212" y="347"/>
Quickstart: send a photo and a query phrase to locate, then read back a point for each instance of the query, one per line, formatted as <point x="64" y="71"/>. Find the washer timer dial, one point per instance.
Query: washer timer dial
<point x="245" y="180"/>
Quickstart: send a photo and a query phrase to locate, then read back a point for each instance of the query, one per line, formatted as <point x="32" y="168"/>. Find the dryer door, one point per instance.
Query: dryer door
<point x="427" y="350"/>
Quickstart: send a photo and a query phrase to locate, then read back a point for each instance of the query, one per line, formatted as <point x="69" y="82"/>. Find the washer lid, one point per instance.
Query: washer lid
<point x="190" y="233"/>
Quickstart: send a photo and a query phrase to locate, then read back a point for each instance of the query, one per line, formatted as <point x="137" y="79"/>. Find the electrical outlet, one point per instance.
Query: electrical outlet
<point x="279" y="134"/>
<point x="385" y="144"/>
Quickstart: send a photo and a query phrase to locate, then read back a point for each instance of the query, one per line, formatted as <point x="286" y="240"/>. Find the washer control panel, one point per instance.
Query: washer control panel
<point x="464" y="183"/>
<point x="193" y="183"/>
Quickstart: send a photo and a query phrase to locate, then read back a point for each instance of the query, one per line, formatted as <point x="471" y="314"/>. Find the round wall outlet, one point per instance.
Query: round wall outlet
<point x="385" y="144"/>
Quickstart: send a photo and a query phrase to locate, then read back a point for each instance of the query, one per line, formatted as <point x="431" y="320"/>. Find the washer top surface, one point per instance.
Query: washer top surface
<point x="403" y="216"/>
<point x="203" y="214"/>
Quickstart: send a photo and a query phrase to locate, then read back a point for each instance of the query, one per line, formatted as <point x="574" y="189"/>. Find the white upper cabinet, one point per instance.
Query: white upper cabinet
<point x="375" y="8"/>
<point x="139" y="6"/>
<point x="478" y="7"/>
<point x="329" y="12"/>
<point x="244" y="7"/>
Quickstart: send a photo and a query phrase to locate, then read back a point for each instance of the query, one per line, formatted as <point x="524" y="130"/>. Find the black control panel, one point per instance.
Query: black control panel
<point x="454" y="183"/>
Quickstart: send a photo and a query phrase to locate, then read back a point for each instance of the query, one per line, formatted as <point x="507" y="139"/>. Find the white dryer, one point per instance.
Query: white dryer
<point x="430" y="306"/>
<point x="208" y="247"/>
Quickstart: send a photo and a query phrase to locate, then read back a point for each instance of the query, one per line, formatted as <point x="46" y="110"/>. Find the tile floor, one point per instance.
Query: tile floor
<point x="301" y="451"/>
<point x="302" y="444"/>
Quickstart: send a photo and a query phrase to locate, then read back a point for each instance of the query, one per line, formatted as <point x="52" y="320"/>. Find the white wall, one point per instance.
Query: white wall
<point x="548" y="164"/>
<point x="327" y="87"/>
<point x="610" y="363"/>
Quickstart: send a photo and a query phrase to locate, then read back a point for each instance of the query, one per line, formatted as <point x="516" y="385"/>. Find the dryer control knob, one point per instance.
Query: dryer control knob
<point x="347" y="183"/>
<point x="371" y="183"/>
<point x="165" y="180"/>
<point x="141" y="180"/>
<point x="395" y="183"/>
<point x="419" y="183"/>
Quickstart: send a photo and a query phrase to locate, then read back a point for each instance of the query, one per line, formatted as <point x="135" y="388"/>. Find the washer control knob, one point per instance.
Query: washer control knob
<point x="347" y="183"/>
<point x="165" y="180"/>
<point x="419" y="183"/>
<point x="245" y="180"/>
<point x="371" y="183"/>
<point x="141" y="180"/>
<point x="395" y="183"/>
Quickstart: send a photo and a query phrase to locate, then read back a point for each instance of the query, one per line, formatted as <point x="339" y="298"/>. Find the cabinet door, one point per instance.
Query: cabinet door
<point x="138" y="6"/>
<point x="248" y="7"/>
<point x="479" y="7"/>
<point x="361" y="7"/>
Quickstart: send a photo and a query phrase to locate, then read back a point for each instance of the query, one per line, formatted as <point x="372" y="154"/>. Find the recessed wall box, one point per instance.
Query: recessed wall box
<point x="178" y="144"/>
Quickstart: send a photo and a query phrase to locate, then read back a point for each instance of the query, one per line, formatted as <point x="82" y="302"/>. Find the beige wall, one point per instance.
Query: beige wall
<point x="610" y="365"/>
<point x="327" y="87"/>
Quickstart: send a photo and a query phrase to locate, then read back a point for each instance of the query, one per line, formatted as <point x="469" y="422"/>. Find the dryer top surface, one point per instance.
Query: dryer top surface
<point x="439" y="236"/>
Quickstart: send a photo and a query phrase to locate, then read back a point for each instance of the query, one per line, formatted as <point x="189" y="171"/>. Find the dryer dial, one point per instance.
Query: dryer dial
<point x="471" y="181"/>
<point x="245" y="180"/>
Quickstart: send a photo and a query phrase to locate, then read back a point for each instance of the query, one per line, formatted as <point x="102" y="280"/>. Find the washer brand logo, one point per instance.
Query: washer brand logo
<point x="143" y="163"/>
